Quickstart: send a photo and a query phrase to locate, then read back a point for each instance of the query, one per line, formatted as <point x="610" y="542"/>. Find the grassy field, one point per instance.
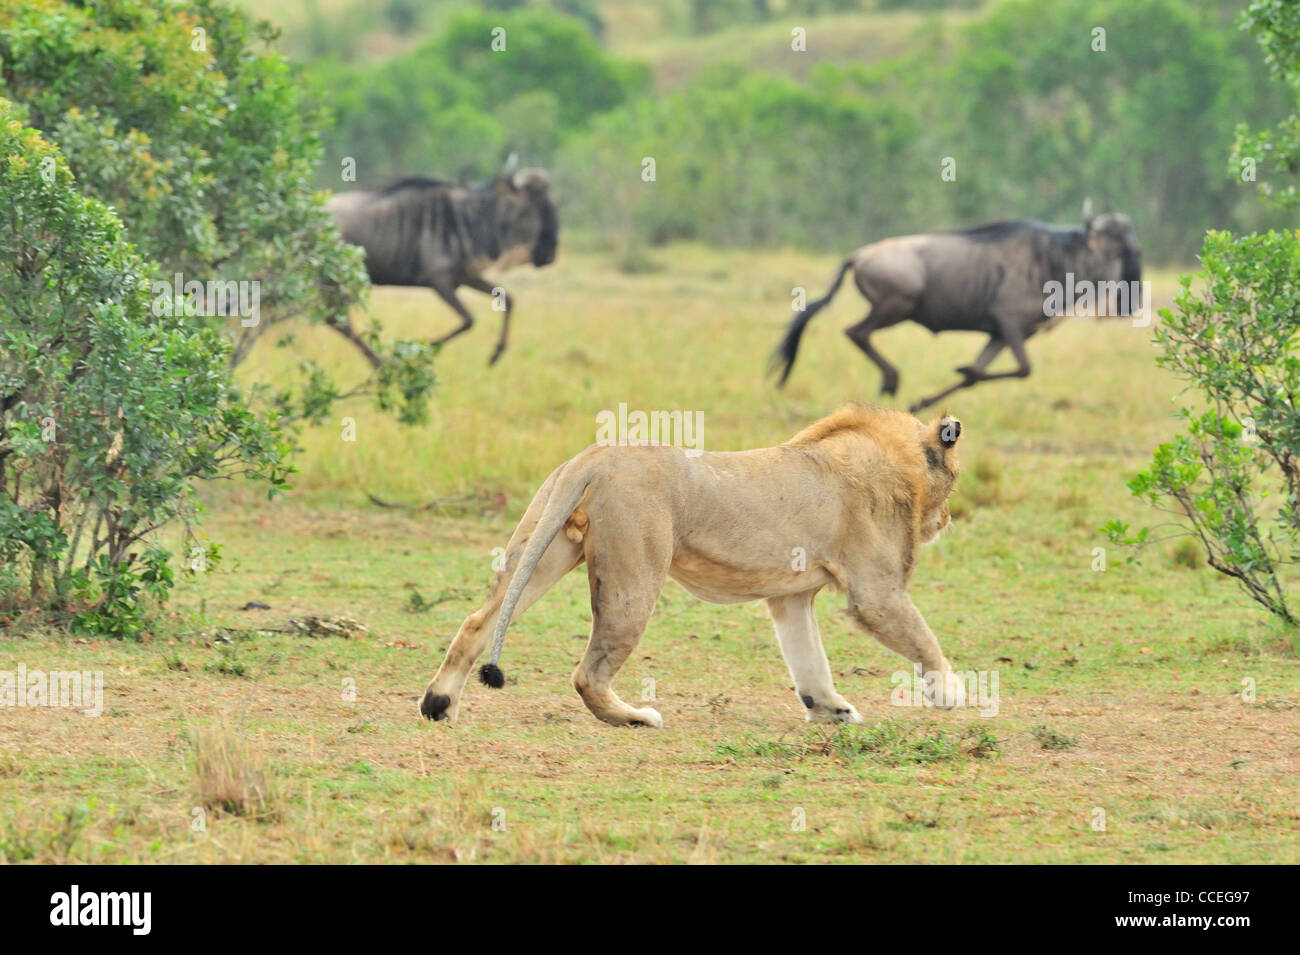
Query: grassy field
<point x="1120" y="690"/>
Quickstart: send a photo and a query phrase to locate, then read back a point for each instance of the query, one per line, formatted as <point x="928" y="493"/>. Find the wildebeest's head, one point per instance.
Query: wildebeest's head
<point x="532" y="220"/>
<point x="1111" y="238"/>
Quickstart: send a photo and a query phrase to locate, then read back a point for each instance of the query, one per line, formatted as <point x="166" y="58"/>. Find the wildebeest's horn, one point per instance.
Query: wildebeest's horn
<point x="1087" y="213"/>
<point x="512" y="163"/>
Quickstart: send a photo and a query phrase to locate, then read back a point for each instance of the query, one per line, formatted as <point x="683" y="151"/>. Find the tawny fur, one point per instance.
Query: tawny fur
<point x="845" y="503"/>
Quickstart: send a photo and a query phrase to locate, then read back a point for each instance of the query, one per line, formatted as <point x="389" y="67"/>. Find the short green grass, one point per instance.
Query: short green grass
<point x="1145" y="713"/>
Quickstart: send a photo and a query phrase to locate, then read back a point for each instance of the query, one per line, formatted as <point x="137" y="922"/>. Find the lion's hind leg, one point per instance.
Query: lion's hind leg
<point x="625" y="585"/>
<point x="801" y="645"/>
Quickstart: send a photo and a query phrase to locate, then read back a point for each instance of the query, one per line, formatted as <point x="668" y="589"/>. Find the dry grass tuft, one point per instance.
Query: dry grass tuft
<point x="230" y="776"/>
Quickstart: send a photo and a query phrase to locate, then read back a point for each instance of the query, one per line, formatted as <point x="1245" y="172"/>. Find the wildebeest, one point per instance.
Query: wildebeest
<point x="989" y="279"/>
<point x="442" y="235"/>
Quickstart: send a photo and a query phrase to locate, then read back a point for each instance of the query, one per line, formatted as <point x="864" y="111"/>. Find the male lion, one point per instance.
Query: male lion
<point x="846" y="502"/>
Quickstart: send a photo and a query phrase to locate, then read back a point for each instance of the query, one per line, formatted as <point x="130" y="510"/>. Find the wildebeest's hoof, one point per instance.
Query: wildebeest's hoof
<point x="434" y="705"/>
<point x="496" y="354"/>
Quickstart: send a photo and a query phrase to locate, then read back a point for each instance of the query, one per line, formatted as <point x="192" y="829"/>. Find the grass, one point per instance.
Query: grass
<point x="1050" y="739"/>
<point x="1141" y="668"/>
<point x="229" y="775"/>
<point x="888" y="743"/>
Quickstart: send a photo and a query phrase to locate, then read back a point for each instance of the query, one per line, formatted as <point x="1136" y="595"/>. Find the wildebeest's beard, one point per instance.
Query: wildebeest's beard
<point x="1131" y="274"/>
<point x="548" y="236"/>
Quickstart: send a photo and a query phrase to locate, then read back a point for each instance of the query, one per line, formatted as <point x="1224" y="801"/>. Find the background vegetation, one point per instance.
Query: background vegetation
<point x="759" y="144"/>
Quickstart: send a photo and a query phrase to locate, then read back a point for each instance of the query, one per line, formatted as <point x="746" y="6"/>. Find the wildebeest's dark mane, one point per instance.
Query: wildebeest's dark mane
<point x="1053" y="249"/>
<point x="412" y="182"/>
<point x="997" y="231"/>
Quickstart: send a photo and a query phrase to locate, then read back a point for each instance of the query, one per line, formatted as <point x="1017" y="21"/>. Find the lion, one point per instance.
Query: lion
<point x="845" y="503"/>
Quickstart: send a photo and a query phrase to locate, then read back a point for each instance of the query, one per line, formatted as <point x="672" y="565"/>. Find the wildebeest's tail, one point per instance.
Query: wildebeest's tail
<point x="560" y="505"/>
<point x="783" y="358"/>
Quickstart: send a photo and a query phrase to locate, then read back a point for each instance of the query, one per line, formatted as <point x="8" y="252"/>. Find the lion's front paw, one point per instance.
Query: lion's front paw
<point x="836" y="711"/>
<point x="948" y="692"/>
<point x="647" y="717"/>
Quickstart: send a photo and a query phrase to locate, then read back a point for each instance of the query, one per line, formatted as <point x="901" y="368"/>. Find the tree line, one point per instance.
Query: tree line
<point x="1023" y="112"/>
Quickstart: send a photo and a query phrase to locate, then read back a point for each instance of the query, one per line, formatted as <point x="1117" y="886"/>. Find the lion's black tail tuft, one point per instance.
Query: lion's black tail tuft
<point x="490" y="674"/>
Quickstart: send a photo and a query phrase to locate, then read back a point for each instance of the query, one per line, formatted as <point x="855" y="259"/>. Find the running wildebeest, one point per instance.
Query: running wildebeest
<point x="442" y="235"/>
<point x="989" y="279"/>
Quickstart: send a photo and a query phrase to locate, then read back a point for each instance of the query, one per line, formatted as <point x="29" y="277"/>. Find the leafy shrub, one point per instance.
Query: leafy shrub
<point x="108" y="413"/>
<point x="1034" y="116"/>
<point x="1233" y="340"/>
<point x="1038" y="118"/>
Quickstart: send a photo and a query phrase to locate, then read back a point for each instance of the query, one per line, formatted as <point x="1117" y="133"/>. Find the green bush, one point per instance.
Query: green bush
<point x="109" y="413"/>
<point x="1233" y="478"/>
<point x="1038" y="119"/>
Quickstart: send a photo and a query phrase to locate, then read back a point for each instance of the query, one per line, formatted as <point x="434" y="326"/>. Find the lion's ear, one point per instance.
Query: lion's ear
<point x="949" y="431"/>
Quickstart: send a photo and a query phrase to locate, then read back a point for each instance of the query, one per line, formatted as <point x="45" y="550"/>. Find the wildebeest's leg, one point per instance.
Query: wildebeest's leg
<point x="343" y="326"/>
<point x="882" y="315"/>
<point x="893" y="619"/>
<point x="447" y="292"/>
<point x="974" y="373"/>
<point x="971" y="374"/>
<point x="801" y="645"/>
<point x="488" y="288"/>
<point x="975" y="369"/>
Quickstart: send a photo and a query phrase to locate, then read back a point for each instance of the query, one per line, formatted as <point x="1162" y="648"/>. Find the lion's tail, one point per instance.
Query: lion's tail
<point x="559" y="506"/>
